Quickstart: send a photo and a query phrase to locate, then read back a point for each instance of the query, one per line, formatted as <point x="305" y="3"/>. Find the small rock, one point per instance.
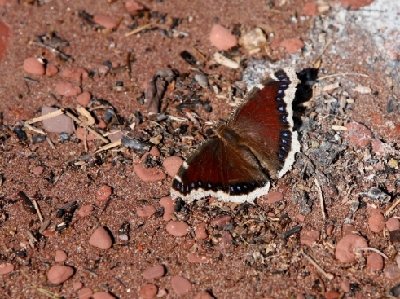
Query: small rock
<point x="51" y="70"/>
<point x="148" y="174"/>
<point x="310" y="8"/>
<point x="169" y="207"/>
<point x="100" y="238"/>
<point x="392" y="271"/>
<point x="76" y="74"/>
<point x="103" y="193"/>
<point x="148" y="291"/>
<point x="376" y="221"/>
<point x="33" y="66"/>
<point x="254" y="40"/>
<point x="345" y="285"/>
<point x="201" y="232"/>
<point x="60" y="256"/>
<point x="393" y="224"/>
<point x="363" y="89"/>
<point x="37" y="170"/>
<point x="85" y="293"/>
<point x="378" y="147"/>
<point x="172" y="165"/>
<point x="154" y="272"/>
<point x="85" y="210"/>
<point x="203" y="295"/>
<point x="133" y="7"/>
<point x="274" y="196"/>
<point x="77" y="285"/>
<point x="83" y="99"/>
<point x="346" y="247"/>
<point x="6" y="268"/>
<point x="115" y="135"/>
<point x="308" y="237"/>
<point x="180" y="285"/>
<point x="155" y="152"/>
<point x="292" y="45"/>
<point x="358" y="134"/>
<point x="177" y="228"/>
<point x="146" y="211"/>
<point x="58" y="124"/>
<point x="355" y="4"/>
<point x="67" y="89"/>
<point x="222" y="38"/>
<point x="102" y="295"/>
<point x="221" y="221"/>
<point x="106" y="21"/>
<point x="375" y="262"/>
<point x="58" y="274"/>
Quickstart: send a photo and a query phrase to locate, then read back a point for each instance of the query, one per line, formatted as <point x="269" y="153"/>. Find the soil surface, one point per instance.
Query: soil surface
<point x="85" y="210"/>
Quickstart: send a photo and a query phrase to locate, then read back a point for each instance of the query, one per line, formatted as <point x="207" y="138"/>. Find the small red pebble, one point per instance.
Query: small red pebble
<point x="133" y="7"/>
<point x="172" y="165"/>
<point x="375" y="262"/>
<point x="103" y="193"/>
<point x="102" y="295"/>
<point x="85" y="293"/>
<point x="347" y="246"/>
<point x="332" y="295"/>
<point x="154" y="272"/>
<point x="148" y="291"/>
<point x="51" y="70"/>
<point x="376" y="221"/>
<point x="37" y="170"/>
<point x="85" y="210"/>
<point x="358" y="134"/>
<point x="222" y="38"/>
<point x="221" y="221"/>
<point x="203" y="295"/>
<point x="392" y="271"/>
<point x="201" y="232"/>
<point x="58" y="274"/>
<point x="177" y="228"/>
<point x="169" y="207"/>
<point x="310" y="8"/>
<point x="33" y="66"/>
<point x="355" y="4"/>
<point x="77" y="285"/>
<point x="378" y="147"/>
<point x="146" y="211"/>
<point x="309" y="237"/>
<point x="393" y="224"/>
<point x="180" y="285"/>
<point x="60" y="256"/>
<point x="76" y="74"/>
<point x="100" y="238"/>
<point x="292" y="45"/>
<point x="148" y="174"/>
<point x="274" y="196"/>
<point x="67" y="89"/>
<point x="83" y="99"/>
<point x="106" y="21"/>
<point x="6" y="268"/>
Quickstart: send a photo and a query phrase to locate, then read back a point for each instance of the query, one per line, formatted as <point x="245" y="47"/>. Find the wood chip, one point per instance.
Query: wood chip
<point x="225" y="61"/>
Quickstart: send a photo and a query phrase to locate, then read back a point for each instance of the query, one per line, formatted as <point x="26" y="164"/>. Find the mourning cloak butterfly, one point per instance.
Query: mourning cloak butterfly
<point x="255" y="145"/>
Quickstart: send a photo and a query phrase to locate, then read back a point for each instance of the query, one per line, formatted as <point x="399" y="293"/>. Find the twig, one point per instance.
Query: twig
<point x="35" y="204"/>
<point x="327" y="275"/>
<point x="392" y="207"/>
<point x="321" y="197"/>
<point x="44" y="117"/>
<point x="34" y="129"/>
<point x="372" y="249"/>
<point x="139" y="29"/>
<point x="108" y="146"/>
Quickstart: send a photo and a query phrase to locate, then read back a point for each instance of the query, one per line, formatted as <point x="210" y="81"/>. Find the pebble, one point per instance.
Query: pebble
<point x="177" y="228"/>
<point x="146" y="211"/>
<point x="378" y="147"/>
<point x="102" y="295"/>
<point x="355" y="4"/>
<point x="6" y="268"/>
<point x="308" y="237"/>
<point x="221" y="221"/>
<point x="348" y="229"/>
<point x="274" y="196"/>
<point x="345" y="285"/>
<point x="60" y="256"/>
<point x="154" y="272"/>
<point x="37" y="170"/>
<point x="222" y="38"/>
<point x="358" y="134"/>
<point x="172" y="165"/>
<point x="33" y="66"/>
<point x="76" y="74"/>
<point x="363" y="89"/>
<point x="67" y="89"/>
<point x="103" y="193"/>
<point x="332" y="295"/>
<point x="201" y="232"/>
<point x="85" y="210"/>
<point x="154" y="151"/>
<point x="375" y="262"/>
<point x="345" y="248"/>
<point x="58" y="124"/>
<point x="392" y="271"/>
<point x="107" y="22"/>
<point x="148" y="291"/>
<point x="115" y="135"/>
<point x="310" y="8"/>
<point x="180" y="285"/>
<point x="376" y="221"/>
<point x="100" y="238"/>
<point x="51" y="70"/>
<point x="292" y="45"/>
<point x="58" y="274"/>
<point x="254" y="40"/>
<point x="77" y="285"/>
<point x="85" y="293"/>
<point x="148" y="174"/>
<point x="393" y="224"/>
<point x="83" y="99"/>
<point x="133" y="7"/>
<point x="169" y="207"/>
<point x="203" y="295"/>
